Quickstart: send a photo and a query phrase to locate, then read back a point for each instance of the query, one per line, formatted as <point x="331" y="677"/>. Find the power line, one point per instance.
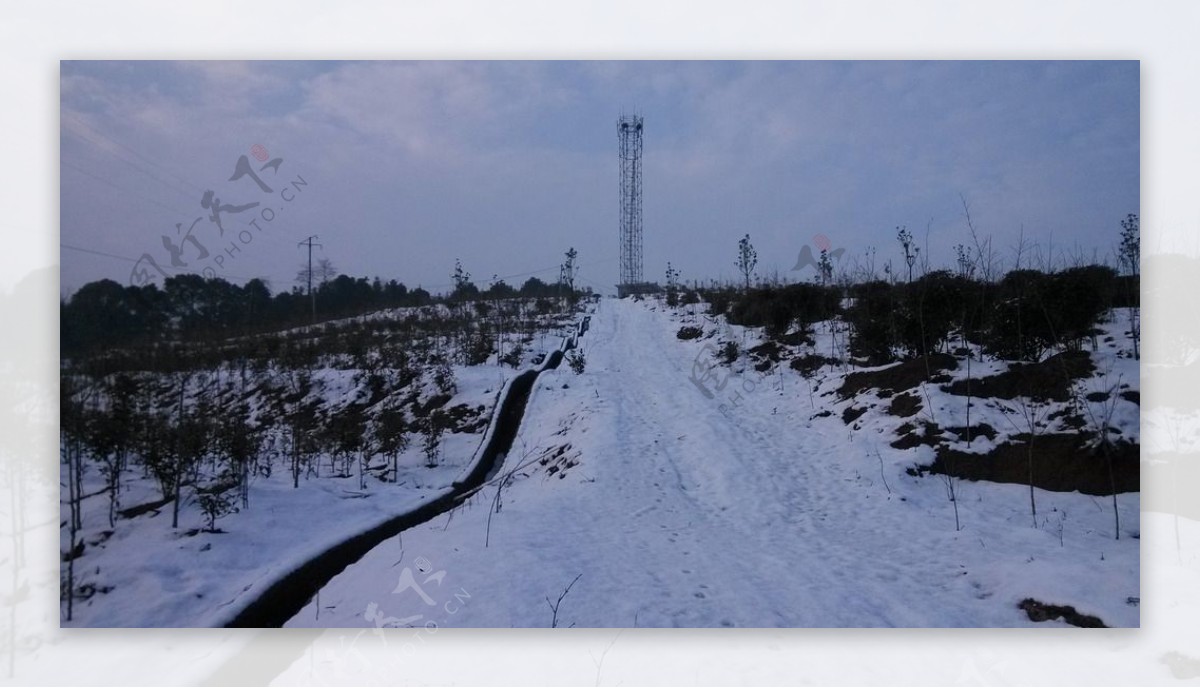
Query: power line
<point x="167" y="268"/>
<point x="108" y="182"/>
<point x="96" y="253"/>
<point x="305" y="242"/>
<point x="91" y="132"/>
<point x="592" y="282"/>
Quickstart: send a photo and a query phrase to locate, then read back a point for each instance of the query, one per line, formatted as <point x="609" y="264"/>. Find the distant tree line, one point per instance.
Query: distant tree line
<point x="1019" y="317"/>
<point x="105" y="314"/>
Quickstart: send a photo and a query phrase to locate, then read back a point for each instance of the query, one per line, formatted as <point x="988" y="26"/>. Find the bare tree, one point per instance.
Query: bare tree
<point x="1031" y="413"/>
<point x="911" y="250"/>
<point x="391" y="433"/>
<point x="322" y="272"/>
<point x="1130" y="255"/>
<point x="1101" y="421"/>
<point x="431" y="438"/>
<point x="554" y="605"/>
<point x="747" y="259"/>
<point x="983" y="248"/>
<point x="567" y="272"/>
<point x="948" y="475"/>
<point x="72" y="424"/>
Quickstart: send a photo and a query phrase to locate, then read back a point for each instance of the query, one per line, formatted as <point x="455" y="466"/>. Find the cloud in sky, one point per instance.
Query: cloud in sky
<point x="507" y="164"/>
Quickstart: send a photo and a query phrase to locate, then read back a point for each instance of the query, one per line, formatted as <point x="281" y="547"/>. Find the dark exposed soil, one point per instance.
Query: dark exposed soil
<point x="910" y="437"/>
<point x="901" y="376"/>
<point x="434" y="402"/>
<point x="797" y="338"/>
<point x="1049" y="380"/>
<point x="1040" y="611"/>
<point x="808" y="365"/>
<point x="688" y="332"/>
<point x="905" y="405"/>
<point x="1061" y="463"/>
<point x="981" y="430"/>
<point x="463" y="418"/>
<point x="135" y="511"/>
<point x="74" y="553"/>
<point x="1069" y="419"/>
<point x="852" y="414"/>
<point x="1135" y="397"/>
<point x="768" y="350"/>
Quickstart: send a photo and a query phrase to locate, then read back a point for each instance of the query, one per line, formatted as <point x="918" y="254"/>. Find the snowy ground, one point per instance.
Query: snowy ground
<point x="667" y="507"/>
<point x="147" y="574"/>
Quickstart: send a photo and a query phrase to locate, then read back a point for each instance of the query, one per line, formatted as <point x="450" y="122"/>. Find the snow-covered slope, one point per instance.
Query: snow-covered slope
<point x="651" y="504"/>
<point x="144" y="573"/>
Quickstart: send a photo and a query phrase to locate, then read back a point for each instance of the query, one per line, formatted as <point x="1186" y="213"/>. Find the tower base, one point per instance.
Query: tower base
<point x="624" y="290"/>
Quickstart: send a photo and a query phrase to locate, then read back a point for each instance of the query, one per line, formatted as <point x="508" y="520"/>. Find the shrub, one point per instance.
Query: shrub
<point x="215" y="504"/>
<point x="719" y="300"/>
<point x="873" y="319"/>
<point x="577" y="361"/>
<point x="1019" y="329"/>
<point x="777" y="308"/>
<point x="1079" y="297"/>
<point x="929" y="309"/>
<point x="443" y="375"/>
<point x="431" y="440"/>
<point x="808" y="365"/>
<point x="513" y="356"/>
<point x="478" y="348"/>
<point x="728" y="353"/>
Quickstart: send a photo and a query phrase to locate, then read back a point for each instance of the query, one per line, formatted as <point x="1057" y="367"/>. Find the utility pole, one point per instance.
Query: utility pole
<point x="312" y="297"/>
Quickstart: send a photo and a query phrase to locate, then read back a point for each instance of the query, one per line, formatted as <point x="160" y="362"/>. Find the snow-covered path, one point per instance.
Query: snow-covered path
<point x="677" y="514"/>
<point x="728" y="523"/>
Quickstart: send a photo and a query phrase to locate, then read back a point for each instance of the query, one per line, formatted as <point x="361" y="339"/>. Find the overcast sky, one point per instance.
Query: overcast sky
<point x="505" y="165"/>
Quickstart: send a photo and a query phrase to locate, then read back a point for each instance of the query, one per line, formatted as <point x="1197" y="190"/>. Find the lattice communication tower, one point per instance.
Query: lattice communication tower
<point x="629" y="134"/>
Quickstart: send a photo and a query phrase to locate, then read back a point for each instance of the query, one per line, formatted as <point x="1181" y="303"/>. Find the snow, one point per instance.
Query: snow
<point x="679" y="510"/>
<point x="156" y="576"/>
<point x="145" y="573"/>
